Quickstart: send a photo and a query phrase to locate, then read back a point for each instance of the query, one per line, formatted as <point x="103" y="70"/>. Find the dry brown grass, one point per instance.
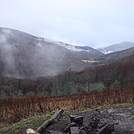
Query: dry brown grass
<point x="12" y="110"/>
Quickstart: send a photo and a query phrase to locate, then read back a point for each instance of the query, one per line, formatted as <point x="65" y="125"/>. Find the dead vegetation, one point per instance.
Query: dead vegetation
<point x="13" y="110"/>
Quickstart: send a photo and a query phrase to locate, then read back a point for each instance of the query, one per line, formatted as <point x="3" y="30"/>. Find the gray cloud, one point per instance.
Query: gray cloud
<point x="86" y="22"/>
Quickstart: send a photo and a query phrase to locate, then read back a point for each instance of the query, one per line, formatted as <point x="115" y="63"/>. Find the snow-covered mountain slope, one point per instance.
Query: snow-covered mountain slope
<point x="87" y="49"/>
<point x="117" y="47"/>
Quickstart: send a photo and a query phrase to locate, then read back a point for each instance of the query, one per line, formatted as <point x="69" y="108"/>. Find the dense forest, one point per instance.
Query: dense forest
<point x="120" y="73"/>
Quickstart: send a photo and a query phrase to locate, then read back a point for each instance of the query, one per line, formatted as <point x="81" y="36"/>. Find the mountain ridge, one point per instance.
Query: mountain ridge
<point x="25" y="55"/>
<point x="116" y="47"/>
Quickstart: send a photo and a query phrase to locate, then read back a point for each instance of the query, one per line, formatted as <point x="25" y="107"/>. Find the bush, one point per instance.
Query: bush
<point x="116" y="83"/>
<point x="2" y="93"/>
<point x="30" y="93"/>
<point x="96" y="86"/>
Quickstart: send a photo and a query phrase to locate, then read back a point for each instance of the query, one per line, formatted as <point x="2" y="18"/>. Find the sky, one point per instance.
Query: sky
<point x="95" y="23"/>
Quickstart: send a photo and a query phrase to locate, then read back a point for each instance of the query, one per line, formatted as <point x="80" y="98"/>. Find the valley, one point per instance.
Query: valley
<point x="38" y="76"/>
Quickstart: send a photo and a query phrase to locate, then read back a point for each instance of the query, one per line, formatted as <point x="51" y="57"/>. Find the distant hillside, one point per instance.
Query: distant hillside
<point x="116" y="73"/>
<point x="116" y="56"/>
<point x="24" y="55"/>
<point x="117" y="47"/>
<point x="119" y="73"/>
<point x="88" y="49"/>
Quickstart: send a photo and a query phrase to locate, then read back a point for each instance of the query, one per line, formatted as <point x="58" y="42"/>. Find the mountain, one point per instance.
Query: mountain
<point x="24" y="55"/>
<point x="117" y="47"/>
<point x="88" y="49"/>
<point x="114" y="57"/>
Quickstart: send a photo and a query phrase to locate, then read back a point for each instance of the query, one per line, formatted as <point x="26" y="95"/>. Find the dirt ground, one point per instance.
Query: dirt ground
<point x="122" y="118"/>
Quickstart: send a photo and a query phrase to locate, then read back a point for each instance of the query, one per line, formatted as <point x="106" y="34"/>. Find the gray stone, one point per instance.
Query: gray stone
<point x="55" y="132"/>
<point x="110" y="111"/>
<point x="74" y="130"/>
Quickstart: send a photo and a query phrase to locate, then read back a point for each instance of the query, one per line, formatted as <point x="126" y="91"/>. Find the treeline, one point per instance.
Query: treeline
<point x="120" y="73"/>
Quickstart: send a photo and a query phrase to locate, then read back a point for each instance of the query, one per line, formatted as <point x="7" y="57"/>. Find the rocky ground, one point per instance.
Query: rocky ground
<point x="121" y="117"/>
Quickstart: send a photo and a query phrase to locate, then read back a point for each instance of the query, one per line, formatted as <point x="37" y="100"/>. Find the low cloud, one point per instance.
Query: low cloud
<point x="94" y="23"/>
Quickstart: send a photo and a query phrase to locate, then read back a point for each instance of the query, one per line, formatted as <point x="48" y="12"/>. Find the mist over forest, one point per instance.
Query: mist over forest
<point x="23" y="55"/>
<point x="71" y="56"/>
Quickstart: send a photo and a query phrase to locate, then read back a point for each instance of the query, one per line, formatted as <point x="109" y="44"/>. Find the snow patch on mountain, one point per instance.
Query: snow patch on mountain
<point x="70" y="47"/>
<point x="117" y="47"/>
<point x="39" y="45"/>
<point x="6" y="31"/>
<point x="87" y="49"/>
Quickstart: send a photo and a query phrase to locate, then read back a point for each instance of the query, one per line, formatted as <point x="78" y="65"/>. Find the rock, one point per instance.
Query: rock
<point x="67" y="129"/>
<point x="110" y="111"/>
<point x="94" y="123"/>
<point x="107" y="129"/>
<point x="31" y="131"/>
<point x="76" y="119"/>
<point x="55" y="132"/>
<point x="117" y="122"/>
<point x="82" y="132"/>
<point x="113" y="133"/>
<point x="74" y="130"/>
<point x="132" y="131"/>
<point x="122" y="114"/>
<point x="130" y="108"/>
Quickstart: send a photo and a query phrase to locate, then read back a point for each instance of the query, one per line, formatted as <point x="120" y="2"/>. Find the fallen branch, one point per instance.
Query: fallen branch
<point x="107" y="129"/>
<point x="54" y="118"/>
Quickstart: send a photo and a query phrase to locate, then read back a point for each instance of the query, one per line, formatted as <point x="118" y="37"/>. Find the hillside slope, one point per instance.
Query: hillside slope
<point x="116" y="56"/>
<point x="88" y="49"/>
<point x="120" y="72"/>
<point x="117" y="47"/>
<point x="24" y="55"/>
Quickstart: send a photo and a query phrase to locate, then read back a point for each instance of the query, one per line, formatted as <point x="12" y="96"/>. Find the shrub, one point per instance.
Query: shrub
<point x="96" y="86"/>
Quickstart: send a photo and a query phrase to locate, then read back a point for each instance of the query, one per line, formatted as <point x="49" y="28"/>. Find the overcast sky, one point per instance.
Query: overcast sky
<point x="96" y="23"/>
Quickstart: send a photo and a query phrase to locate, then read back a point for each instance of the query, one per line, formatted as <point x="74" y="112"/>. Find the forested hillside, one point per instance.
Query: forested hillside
<point x="26" y="56"/>
<point x="119" y="73"/>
